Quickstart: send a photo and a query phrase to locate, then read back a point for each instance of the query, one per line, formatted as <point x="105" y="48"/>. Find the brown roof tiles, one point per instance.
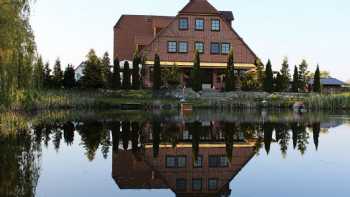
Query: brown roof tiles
<point x="199" y="7"/>
<point x="131" y="30"/>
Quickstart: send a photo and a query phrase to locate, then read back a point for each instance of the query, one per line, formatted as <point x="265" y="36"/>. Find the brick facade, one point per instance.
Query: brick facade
<point x="151" y="34"/>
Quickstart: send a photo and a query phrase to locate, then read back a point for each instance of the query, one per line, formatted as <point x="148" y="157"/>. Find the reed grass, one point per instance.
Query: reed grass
<point x="12" y="122"/>
<point x="76" y="99"/>
<point x="328" y="102"/>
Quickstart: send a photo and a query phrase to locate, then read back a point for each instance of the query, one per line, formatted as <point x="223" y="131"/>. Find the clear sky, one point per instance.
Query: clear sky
<point x="317" y="30"/>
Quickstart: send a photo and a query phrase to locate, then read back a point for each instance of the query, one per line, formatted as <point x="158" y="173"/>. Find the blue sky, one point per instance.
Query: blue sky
<point x="315" y="30"/>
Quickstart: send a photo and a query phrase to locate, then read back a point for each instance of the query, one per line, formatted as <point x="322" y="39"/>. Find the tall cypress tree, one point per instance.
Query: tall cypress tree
<point x="136" y="71"/>
<point x="196" y="79"/>
<point x="268" y="79"/>
<point x="317" y="80"/>
<point x="157" y="79"/>
<point x="69" y="77"/>
<point x="115" y="81"/>
<point x="295" y="83"/>
<point x="230" y="73"/>
<point x="126" y="76"/>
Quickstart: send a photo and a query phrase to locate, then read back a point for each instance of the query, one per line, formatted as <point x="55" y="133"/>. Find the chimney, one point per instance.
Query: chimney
<point x="228" y="16"/>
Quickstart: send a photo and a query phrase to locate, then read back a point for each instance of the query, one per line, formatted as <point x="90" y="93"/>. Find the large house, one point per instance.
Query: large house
<point x="198" y="26"/>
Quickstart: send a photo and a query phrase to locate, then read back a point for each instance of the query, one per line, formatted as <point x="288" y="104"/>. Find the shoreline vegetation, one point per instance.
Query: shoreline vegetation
<point x="170" y="99"/>
<point x="12" y="122"/>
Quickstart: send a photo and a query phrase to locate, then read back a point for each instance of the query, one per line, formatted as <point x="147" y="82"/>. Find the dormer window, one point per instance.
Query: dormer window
<point x="199" y="24"/>
<point x="183" y="23"/>
<point x="215" y="25"/>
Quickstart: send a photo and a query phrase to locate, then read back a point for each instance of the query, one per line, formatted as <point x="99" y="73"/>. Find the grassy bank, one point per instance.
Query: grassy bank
<point x="258" y="100"/>
<point x="12" y="122"/>
<point x="328" y="102"/>
<point x="145" y="100"/>
<point x="82" y="100"/>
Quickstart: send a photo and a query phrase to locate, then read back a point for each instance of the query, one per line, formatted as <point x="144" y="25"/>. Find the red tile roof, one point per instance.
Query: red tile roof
<point x="199" y="6"/>
<point x="136" y="29"/>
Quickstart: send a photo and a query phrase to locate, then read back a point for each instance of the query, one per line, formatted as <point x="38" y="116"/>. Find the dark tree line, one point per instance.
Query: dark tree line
<point x="283" y="82"/>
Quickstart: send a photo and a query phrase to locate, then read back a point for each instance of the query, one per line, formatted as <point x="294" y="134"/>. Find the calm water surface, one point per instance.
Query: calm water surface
<point x="239" y="154"/>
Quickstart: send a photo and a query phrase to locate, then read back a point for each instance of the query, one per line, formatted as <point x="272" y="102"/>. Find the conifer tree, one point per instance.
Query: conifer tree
<point x="196" y="79"/>
<point x="157" y="79"/>
<point x="92" y="78"/>
<point x="106" y="69"/>
<point x="295" y="83"/>
<point x="136" y="71"/>
<point x="57" y="74"/>
<point x="230" y="73"/>
<point x="126" y="76"/>
<point x="285" y="76"/>
<point x="69" y="81"/>
<point x="38" y="74"/>
<point x="47" y="76"/>
<point x="317" y="80"/>
<point x="303" y="75"/>
<point x="279" y="83"/>
<point x="115" y="81"/>
<point x="259" y="72"/>
<point x="268" y="79"/>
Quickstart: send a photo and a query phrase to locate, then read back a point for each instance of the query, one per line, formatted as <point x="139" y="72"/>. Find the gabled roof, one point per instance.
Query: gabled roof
<point x="329" y="81"/>
<point x="199" y="7"/>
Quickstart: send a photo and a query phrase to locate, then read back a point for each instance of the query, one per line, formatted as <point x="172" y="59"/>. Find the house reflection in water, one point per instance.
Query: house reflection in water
<point x="174" y="167"/>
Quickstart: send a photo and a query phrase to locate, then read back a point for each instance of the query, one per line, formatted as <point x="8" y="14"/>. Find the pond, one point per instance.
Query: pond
<point x="204" y="153"/>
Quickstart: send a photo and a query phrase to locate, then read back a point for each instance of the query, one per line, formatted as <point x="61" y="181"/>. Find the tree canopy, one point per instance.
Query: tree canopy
<point x="126" y="76"/>
<point x="196" y="80"/>
<point x="57" y="74"/>
<point x="317" y="80"/>
<point x="230" y="73"/>
<point x="268" y="79"/>
<point x="157" y="79"/>
<point x="136" y="78"/>
<point x="106" y="69"/>
<point x="259" y="72"/>
<point x="38" y="74"/>
<point x="295" y="83"/>
<point x="285" y="76"/>
<point x="17" y="49"/>
<point x="69" y="81"/>
<point x="92" y="78"/>
<point x="115" y="81"/>
<point x="303" y="75"/>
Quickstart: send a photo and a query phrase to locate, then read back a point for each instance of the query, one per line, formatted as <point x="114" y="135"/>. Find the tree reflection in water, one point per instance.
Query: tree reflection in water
<point x="20" y="153"/>
<point x="134" y="135"/>
<point x="20" y="163"/>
